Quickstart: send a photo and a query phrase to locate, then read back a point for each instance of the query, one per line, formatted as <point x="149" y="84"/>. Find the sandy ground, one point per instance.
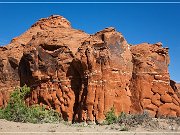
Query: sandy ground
<point x="16" y="128"/>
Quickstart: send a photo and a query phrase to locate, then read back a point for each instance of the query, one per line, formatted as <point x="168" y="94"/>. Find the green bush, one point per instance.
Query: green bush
<point x="111" y="117"/>
<point x="17" y="111"/>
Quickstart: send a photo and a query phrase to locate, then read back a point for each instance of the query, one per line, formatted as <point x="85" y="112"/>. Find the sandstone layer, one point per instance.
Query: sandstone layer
<point x="83" y="76"/>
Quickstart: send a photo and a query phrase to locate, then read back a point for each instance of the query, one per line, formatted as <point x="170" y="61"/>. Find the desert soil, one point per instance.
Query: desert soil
<point x="7" y="127"/>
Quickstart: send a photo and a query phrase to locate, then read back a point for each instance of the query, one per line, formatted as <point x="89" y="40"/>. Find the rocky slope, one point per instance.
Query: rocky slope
<point x="83" y="76"/>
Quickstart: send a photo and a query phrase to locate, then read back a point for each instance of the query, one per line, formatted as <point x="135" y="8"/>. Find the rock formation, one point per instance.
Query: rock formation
<point x="104" y="64"/>
<point x="83" y="76"/>
<point x="11" y="54"/>
<point x="151" y="82"/>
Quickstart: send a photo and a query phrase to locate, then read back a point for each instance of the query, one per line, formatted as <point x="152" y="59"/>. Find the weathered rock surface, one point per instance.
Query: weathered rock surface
<point x="151" y="81"/>
<point x="104" y="64"/>
<point x="55" y="27"/>
<point x="83" y="76"/>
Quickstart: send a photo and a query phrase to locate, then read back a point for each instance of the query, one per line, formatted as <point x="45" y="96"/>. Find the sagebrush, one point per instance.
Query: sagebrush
<point x="133" y="120"/>
<point x="126" y="121"/>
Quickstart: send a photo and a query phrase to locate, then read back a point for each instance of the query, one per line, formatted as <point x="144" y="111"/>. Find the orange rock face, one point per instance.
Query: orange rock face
<point x="104" y="63"/>
<point x="150" y="81"/>
<point x="56" y="28"/>
<point x="83" y="76"/>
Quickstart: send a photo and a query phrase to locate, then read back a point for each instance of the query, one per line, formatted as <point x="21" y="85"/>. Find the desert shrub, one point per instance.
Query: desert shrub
<point x="171" y="119"/>
<point x="111" y="117"/>
<point x="177" y="120"/>
<point x="38" y="114"/>
<point x="133" y="120"/>
<point x="17" y="111"/>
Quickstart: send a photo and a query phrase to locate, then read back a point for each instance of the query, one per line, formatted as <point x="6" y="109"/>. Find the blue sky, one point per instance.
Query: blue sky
<point x="138" y="22"/>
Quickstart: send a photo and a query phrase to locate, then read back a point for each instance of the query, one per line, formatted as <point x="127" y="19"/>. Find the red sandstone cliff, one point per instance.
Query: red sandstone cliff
<point x="151" y="82"/>
<point x="11" y="54"/>
<point x="82" y="76"/>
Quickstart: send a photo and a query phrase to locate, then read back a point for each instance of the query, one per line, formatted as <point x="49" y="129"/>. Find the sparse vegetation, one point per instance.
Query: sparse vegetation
<point x="126" y="121"/>
<point x="171" y="120"/>
<point x="133" y="120"/>
<point x="17" y="111"/>
<point x="136" y="119"/>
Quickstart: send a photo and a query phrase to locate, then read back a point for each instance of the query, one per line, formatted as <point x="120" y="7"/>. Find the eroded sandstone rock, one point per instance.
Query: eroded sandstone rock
<point x="83" y="76"/>
<point x="49" y="75"/>
<point x="151" y="81"/>
<point x="56" y="28"/>
<point x="105" y="67"/>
